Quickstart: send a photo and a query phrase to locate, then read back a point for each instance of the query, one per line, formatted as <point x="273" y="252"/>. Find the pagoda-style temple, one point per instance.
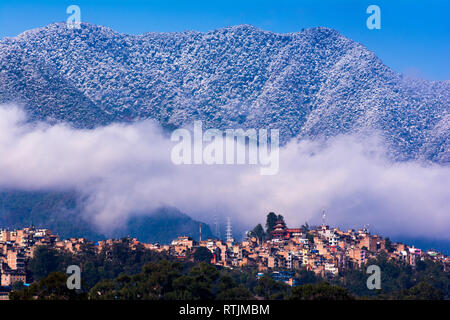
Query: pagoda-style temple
<point x="279" y="231"/>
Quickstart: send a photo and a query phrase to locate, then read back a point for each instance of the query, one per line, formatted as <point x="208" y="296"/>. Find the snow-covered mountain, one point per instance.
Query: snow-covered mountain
<point x="312" y="83"/>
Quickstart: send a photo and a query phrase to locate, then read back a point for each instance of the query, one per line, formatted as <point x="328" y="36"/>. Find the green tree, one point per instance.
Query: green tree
<point x="306" y="276"/>
<point x="228" y="289"/>
<point x="268" y="288"/>
<point x="18" y="285"/>
<point x="423" y="291"/>
<point x="202" y="254"/>
<point x="153" y="283"/>
<point x="310" y="237"/>
<point x="45" y="260"/>
<point x="52" y="287"/>
<point x="305" y="227"/>
<point x="258" y="233"/>
<point x="204" y="276"/>
<point x="271" y="221"/>
<point x="388" y="244"/>
<point x="197" y="285"/>
<point x="321" y="291"/>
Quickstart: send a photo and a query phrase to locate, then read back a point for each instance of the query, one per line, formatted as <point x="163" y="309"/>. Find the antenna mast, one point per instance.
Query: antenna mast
<point x="229" y="229"/>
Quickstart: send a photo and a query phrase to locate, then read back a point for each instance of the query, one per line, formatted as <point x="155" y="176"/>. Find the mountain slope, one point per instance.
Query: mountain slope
<point x="308" y="84"/>
<point x="61" y="212"/>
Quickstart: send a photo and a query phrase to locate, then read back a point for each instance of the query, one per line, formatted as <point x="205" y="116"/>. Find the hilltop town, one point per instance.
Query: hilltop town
<point x="323" y="250"/>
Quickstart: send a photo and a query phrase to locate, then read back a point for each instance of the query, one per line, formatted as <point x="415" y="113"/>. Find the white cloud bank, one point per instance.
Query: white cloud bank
<point x="124" y="169"/>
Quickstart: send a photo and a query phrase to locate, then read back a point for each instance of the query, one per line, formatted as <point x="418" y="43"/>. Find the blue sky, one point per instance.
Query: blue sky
<point x="414" y="35"/>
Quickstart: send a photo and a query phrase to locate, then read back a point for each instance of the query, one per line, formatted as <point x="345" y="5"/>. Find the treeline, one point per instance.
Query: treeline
<point x="426" y="280"/>
<point x="173" y="280"/>
<point x="113" y="260"/>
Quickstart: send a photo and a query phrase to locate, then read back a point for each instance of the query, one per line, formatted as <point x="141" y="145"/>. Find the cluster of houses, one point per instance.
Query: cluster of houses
<point x="17" y="247"/>
<point x="322" y="250"/>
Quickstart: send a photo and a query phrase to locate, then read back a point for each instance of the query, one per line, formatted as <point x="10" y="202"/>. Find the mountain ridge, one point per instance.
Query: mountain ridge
<point x="314" y="83"/>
